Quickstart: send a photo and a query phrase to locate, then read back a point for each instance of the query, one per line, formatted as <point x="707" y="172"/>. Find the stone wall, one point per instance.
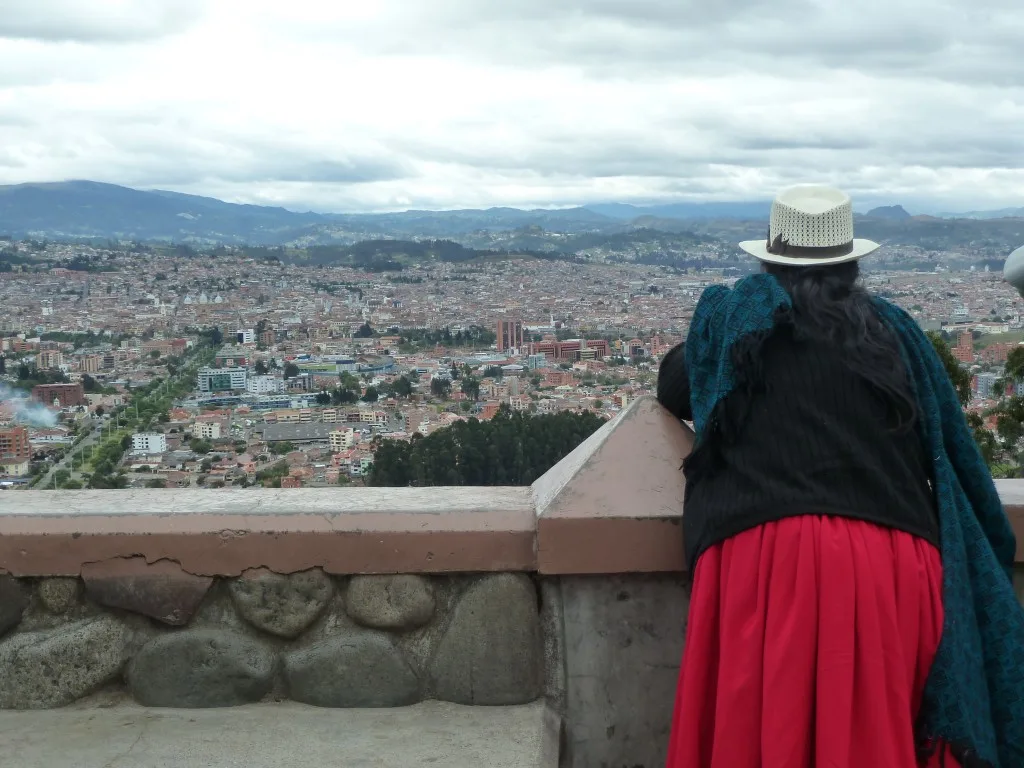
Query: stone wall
<point x="171" y="639"/>
<point x="574" y="590"/>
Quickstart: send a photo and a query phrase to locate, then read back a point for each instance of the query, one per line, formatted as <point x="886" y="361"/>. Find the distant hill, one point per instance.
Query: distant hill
<point x="1001" y="213"/>
<point x="75" y="209"/>
<point x="625" y="212"/>
<point x="442" y="223"/>
<point x="888" y="212"/>
<point x="394" y="255"/>
<point x="675" y="233"/>
<point x="89" y="209"/>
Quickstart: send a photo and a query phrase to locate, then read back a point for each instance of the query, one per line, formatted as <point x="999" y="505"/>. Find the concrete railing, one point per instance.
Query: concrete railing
<point x="573" y="590"/>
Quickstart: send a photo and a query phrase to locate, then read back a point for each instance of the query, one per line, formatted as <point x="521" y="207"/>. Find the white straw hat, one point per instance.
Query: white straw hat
<point x="810" y="225"/>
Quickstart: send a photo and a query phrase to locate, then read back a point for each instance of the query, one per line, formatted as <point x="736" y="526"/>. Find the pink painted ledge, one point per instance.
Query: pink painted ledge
<point x="225" y="532"/>
<point x="614" y="505"/>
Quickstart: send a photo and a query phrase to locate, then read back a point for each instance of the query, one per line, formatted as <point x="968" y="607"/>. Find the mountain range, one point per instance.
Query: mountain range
<point x="94" y="210"/>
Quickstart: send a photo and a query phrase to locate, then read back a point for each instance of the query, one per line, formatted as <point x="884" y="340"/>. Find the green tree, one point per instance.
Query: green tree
<point x="1015" y="364"/>
<point x="156" y="482"/>
<point x="260" y="368"/>
<point x="441" y="388"/>
<point x="342" y="396"/>
<point x="200" y="446"/>
<point x="1010" y="429"/>
<point x="510" y="449"/>
<point x="282" y="448"/>
<point x="958" y="375"/>
<point x="274" y="472"/>
<point x="470" y="387"/>
<point x="401" y="387"/>
<point x="371" y="395"/>
<point x="291" y="370"/>
<point x="365" y="331"/>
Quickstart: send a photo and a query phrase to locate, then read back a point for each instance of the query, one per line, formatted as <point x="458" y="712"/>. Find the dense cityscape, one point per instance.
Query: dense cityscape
<point x="132" y="366"/>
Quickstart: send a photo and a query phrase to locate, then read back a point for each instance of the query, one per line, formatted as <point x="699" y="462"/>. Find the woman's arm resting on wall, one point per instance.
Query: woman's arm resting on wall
<point x="674" y="383"/>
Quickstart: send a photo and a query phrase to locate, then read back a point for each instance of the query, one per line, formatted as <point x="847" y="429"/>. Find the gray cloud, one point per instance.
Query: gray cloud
<point x="944" y="39"/>
<point x="96" y="21"/>
<point x="397" y="104"/>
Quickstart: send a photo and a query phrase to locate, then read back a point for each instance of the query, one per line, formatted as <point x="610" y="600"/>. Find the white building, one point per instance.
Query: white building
<point x="221" y="379"/>
<point x="987" y="385"/>
<point x="342" y="439"/>
<point x="149" y="442"/>
<point x="206" y="430"/>
<point x="264" y="385"/>
<point x="245" y="336"/>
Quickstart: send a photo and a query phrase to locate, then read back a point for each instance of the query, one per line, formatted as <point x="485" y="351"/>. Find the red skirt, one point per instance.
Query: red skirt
<point x="807" y="646"/>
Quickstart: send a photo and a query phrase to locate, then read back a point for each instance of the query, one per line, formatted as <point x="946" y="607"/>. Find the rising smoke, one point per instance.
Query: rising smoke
<point x="26" y="411"/>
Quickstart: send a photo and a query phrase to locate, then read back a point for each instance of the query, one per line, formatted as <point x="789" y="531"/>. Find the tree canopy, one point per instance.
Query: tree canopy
<point x="510" y="449"/>
<point x="960" y="377"/>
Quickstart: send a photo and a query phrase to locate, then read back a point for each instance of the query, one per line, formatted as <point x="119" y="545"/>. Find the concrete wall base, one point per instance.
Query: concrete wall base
<point x="622" y="647"/>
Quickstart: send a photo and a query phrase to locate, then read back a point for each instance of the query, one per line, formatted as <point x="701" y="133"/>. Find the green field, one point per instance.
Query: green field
<point x="320" y="367"/>
<point x="1016" y="337"/>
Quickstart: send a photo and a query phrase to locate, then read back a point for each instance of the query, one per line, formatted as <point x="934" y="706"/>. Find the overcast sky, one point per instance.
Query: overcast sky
<point x="392" y="104"/>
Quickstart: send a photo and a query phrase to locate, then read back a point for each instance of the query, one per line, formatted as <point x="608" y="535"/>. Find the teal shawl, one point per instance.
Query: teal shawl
<point x="974" y="696"/>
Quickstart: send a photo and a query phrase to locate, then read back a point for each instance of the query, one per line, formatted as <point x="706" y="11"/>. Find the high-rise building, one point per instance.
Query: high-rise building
<point x="342" y="439"/>
<point x="206" y="430"/>
<point x="221" y="379"/>
<point x="15" y="451"/>
<point x="90" y="363"/>
<point x="964" y="350"/>
<point x="985" y="385"/>
<point x="510" y="335"/>
<point x="149" y="442"/>
<point x="264" y="385"/>
<point x="49" y="358"/>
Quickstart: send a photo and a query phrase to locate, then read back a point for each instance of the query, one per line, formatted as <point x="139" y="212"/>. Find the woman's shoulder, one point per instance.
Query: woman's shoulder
<point x="895" y="315"/>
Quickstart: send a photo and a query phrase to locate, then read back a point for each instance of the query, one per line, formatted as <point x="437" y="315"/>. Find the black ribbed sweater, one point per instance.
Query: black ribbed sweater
<point x="812" y="438"/>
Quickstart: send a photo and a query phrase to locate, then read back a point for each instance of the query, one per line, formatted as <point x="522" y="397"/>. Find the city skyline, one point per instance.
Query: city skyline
<point x="342" y="107"/>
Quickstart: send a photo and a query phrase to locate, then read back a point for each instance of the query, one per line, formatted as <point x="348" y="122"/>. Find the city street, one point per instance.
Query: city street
<point x="66" y="462"/>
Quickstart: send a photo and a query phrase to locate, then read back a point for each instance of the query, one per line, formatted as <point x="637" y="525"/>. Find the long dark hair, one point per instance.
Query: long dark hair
<point x="830" y="305"/>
